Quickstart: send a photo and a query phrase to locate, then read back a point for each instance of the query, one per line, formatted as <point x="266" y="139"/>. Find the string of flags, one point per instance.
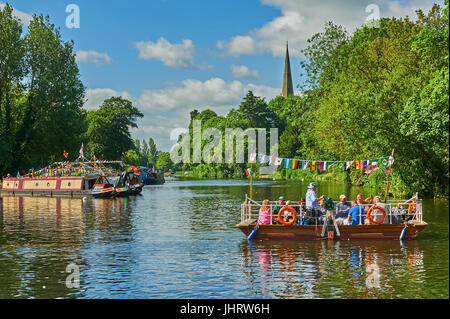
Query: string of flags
<point x="367" y="166"/>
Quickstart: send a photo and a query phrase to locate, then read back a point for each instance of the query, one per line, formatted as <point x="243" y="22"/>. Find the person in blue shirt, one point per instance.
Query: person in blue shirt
<point x="354" y="213"/>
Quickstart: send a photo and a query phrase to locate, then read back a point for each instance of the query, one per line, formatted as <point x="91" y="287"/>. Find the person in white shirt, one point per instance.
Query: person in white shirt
<point x="312" y="203"/>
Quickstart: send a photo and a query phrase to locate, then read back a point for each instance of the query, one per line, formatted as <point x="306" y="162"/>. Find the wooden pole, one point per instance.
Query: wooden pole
<point x="251" y="191"/>
<point x="251" y="180"/>
<point x="389" y="177"/>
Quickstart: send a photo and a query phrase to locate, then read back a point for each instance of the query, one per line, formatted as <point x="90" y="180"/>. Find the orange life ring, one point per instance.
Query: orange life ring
<point x="369" y="216"/>
<point x="369" y="200"/>
<point x="294" y="216"/>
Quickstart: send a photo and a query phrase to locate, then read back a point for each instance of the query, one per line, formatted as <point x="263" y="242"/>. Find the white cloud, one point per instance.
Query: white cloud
<point x="90" y="56"/>
<point x="301" y="19"/>
<point x="95" y="97"/>
<point x="179" y="56"/>
<point x="169" y="108"/>
<point x="24" y="17"/>
<point x="242" y="71"/>
<point x="214" y="92"/>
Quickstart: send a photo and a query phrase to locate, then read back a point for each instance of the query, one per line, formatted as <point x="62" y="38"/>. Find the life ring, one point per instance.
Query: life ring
<point x="294" y="216"/>
<point x="369" y="216"/>
<point x="369" y="200"/>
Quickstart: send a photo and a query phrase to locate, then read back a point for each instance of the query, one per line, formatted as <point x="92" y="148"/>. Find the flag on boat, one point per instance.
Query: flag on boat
<point x="269" y="160"/>
<point x="375" y="164"/>
<point x="305" y="164"/>
<point x="248" y="171"/>
<point x="261" y="158"/>
<point x="252" y="157"/>
<point x="384" y="162"/>
<point x="391" y="160"/>
<point x="294" y="164"/>
<point x="348" y="164"/>
<point x="313" y="166"/>
<point x="278" y="161"/>
<point x="287" y="163"/>
<point x="81" y="151"/>
<point x="341" y="166"/>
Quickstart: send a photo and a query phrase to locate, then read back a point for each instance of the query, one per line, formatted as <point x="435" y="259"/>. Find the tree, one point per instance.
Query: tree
<point x="41" y="94"/>
<point x="164" y="161"/>
<point x="108" y="131"/>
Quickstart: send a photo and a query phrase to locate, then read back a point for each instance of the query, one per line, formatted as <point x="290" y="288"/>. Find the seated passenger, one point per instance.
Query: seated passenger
<point x="356" y="214"/>
<point x="301" y="212"/>
<point x="360" y="200"/>
<point x="322" y="211"/>
<point x="378" y="216"/>
<point x="342" y="209"/>
<point x="264" y="215"/>
<point x="281" y="204"/>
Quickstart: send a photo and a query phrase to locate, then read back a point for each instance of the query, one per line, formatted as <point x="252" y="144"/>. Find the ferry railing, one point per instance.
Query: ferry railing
<point x="397" y="211"/>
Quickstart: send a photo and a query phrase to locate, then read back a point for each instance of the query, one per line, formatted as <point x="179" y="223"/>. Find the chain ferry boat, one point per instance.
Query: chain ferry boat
<point x="392" y="220"/>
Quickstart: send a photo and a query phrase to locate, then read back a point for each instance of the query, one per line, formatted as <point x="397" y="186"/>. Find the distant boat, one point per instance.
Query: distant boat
<point x="152" y="176"/>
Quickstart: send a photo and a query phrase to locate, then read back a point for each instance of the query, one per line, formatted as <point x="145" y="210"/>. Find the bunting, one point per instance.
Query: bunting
<point x="367" y="166"/>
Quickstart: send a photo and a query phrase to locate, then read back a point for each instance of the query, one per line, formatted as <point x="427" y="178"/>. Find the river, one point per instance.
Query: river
<point x="179" y="240"/>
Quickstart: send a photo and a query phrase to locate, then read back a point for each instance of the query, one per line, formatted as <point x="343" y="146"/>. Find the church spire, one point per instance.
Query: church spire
<point x="287" y="78"/>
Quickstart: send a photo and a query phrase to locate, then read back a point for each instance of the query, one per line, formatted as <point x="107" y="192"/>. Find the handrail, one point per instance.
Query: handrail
<point x="395" y="210"/>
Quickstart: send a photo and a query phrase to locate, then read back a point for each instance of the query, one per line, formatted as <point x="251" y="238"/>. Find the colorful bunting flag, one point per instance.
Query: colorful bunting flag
<point x="278" y="161"/>
<point x="341" y="166"/>
<point x="305" y="164"/>
<point x="391" y="160"/>
<point x="252" y="157"/>
<point x="384" y="162"/>
<point x="287" y="163"/>
<point x="313" y="166"/>
<point x="248" y="171"/>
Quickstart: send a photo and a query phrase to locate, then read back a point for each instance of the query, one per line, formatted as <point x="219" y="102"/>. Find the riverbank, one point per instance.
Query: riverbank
<point x="375" y="182"/>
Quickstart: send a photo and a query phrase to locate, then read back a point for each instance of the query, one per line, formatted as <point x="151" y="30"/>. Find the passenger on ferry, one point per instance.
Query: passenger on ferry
<point x="356" y="214"/>
<point x="322" y="211"/>
<point x="342" y="209"/>
<point x="312" y="203"/>
<point x="360" y="200"/>
<point x="281" y="204"/>
<point x="264" y="215"/>
<point x="301" y="212"/>
<point x="377" y="202"/>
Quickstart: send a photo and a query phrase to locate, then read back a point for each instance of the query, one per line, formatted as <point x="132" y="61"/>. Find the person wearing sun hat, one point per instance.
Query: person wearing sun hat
<point x="312" y="203"/>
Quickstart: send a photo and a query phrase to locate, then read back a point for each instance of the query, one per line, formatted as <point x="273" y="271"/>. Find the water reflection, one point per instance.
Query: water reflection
<point x="179" y="240"/>
<point x="333" y="269"/>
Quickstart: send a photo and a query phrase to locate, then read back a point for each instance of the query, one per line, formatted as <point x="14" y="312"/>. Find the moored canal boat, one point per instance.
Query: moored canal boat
<point x="405" y="223"/>
<point x="49" y="186"/>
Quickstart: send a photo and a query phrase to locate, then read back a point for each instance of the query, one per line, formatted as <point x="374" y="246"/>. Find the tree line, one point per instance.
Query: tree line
<point x="384" y="87"/>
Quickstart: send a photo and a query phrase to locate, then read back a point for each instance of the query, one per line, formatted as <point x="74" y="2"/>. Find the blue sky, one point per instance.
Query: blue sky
<point x="171" y="56"/>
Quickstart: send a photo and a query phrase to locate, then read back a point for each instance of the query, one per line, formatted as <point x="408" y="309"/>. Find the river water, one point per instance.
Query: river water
<point x="179" y="240"/>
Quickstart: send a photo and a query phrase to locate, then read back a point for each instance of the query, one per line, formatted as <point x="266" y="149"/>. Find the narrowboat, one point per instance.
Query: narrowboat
<point x="49" y="186"/>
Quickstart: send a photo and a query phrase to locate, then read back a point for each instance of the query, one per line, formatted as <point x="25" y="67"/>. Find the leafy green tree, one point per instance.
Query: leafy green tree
<point x="41" y="94"/>
<point x="109" y="127"/>
<point x="164" y="161"/>
<point x="131" y="157"/>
